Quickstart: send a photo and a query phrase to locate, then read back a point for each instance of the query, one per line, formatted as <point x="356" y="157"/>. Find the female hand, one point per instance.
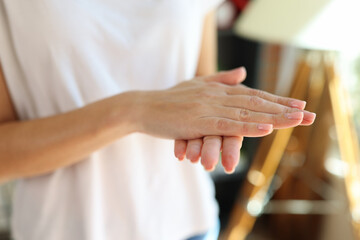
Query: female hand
<point x="210" y="146"/>
<point x="200" y="107"/>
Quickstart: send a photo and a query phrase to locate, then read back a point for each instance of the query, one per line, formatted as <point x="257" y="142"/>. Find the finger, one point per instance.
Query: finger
<point x="279" y="120"/>
<point x="193" y="150"/>
<point x="244" y="90"/>
<point x="309" y="118"/>
<point x="255" y="103"/>
<point x="231" y="153"/>
<point x="180" y="149"/>
<point x="258" y="104"/>
<point x="232" y="77"/>
<point x="211" y="126"/>
<point x="210" y="152"/>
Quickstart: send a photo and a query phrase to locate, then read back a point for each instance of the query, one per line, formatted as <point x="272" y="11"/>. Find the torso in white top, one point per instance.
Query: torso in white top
<point x="62" y="55"/>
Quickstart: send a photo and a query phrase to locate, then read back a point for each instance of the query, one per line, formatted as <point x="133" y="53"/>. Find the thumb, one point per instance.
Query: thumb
<point x="231" y="77"/>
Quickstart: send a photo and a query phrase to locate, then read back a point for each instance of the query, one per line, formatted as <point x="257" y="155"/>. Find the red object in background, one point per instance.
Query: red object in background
<point x="240" y="4"/>
<point x="228" y="12"/>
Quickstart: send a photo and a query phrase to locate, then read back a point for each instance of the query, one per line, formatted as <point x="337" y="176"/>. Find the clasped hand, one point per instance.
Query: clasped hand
<point x="211" y="114"/>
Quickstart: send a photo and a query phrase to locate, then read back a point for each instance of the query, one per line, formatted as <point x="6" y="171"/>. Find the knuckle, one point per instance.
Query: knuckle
<point x="255" y="101"/>
<point x="206" y="94"/>
<point x="274" y="119"/>
<point x="289" y="110"/>
<point x="214" y="84"/>
<point x="260" y="93"/>
<point x="222" y="125"/>
<point x="287" y="102"/>
<point x="243" y="115"/>
<point x="252" y="91"/>
<point x="278" y="100"/>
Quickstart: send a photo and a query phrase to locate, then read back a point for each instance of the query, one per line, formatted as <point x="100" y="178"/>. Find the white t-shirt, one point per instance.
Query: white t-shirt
<point x="61" y="55"/>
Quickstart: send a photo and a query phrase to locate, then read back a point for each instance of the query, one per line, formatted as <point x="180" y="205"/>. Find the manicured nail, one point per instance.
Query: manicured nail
<point x="298" y="104"/>
<point x="295" y="115"/>
<point x="264" y="127"/>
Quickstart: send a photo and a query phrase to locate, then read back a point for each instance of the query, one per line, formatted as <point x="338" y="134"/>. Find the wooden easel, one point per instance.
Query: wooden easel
<point x="315" y="76"/>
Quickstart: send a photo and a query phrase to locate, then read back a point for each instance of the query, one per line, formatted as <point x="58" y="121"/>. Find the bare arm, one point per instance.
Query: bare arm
<point x="30" y="148"/>
<point x="34" y="147"/>
<point x="200" y="107"/>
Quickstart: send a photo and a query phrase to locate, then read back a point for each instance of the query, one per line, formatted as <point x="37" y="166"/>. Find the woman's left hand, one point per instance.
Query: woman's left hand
<point x="209" y="148"/>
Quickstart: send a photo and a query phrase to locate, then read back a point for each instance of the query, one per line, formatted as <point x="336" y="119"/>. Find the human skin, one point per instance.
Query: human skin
<point x="207" y="108"/>
<point x="209" y="147"/>
<point x="191" y="110"/>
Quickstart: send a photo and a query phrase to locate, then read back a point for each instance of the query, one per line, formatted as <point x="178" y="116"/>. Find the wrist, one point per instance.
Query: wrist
<point x="128" y="112"/>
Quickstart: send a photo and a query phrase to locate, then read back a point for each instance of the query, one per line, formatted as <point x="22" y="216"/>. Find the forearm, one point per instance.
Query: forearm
<point x="29" y="148"/>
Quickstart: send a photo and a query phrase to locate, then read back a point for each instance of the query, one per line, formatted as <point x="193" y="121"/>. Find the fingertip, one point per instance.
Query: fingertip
<point x="229" y="171"/>
<point x="241" y="74"/>
<point x="309" y="118"/>
<point x="230" y="161"/>
<point x="193" y="150"/>
<point x="209" y="162"/>
<point x="194" y="159"/>
<point x="211" y="152"/>
<point x="299" y="104"/>
<point x="210" y="168"/>
<point x="295" y="115"/>
<point x="243" y="70"/>
<point x="179" y="156"/>
<point x="180" y="149"/>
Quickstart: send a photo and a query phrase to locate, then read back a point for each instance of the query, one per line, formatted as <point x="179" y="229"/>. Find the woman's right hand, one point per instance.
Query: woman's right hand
<point x="209" y="147"/>
<point x="205" y="106"/>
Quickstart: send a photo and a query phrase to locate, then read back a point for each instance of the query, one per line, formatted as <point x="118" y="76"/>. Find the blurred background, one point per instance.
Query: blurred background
<point x="301" y="183"/>
<point x="294" y="184"/>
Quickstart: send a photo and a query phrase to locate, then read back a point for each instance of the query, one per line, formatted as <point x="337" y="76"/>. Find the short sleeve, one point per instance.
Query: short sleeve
<point x="10" y="66"/>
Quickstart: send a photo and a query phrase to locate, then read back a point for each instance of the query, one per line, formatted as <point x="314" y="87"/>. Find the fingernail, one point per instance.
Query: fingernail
<point x="195" y="160"/>
<point x="210" y="169"/>
<point x="298" y="104"/>
<point x="241" y="69"/>
<point x="309" y="117"/>
<point x="295" y="115"/>
<point x="179" y="156"/>
<point x="265" y="127"/>
<point x="229" y="171"/>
